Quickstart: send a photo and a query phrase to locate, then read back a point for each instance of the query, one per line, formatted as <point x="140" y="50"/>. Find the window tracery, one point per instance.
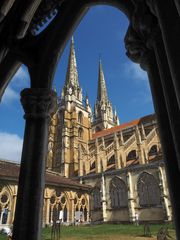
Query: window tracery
<point x="97" y="198"/>
<point x="118" y="193"/>
<point x="148" y="191"/>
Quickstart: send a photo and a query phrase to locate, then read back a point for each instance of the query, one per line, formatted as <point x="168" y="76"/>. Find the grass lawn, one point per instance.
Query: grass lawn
<point x="104" y="232"/>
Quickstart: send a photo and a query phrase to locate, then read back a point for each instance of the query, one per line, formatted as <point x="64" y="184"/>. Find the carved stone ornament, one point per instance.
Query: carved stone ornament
<point x="143" y="21"/>
<point x="38" y="102"/>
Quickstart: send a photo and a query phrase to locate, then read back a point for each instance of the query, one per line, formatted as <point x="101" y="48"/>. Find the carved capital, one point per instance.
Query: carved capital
<point x="38" y="102"/>
<point x="136" y="48"/>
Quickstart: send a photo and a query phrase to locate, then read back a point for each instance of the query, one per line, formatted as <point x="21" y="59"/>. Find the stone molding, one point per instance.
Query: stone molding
<point x="38" y="102"/>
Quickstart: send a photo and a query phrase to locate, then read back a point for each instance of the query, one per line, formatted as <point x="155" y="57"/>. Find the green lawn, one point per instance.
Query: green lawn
<point x="104" y="232"/>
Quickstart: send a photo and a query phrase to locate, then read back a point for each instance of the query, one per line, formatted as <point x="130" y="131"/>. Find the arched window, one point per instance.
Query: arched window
<point x="93" y="166"/>
<point x="118" y="193"/>
<point x="131" y="155"/>
<point x="97" y="198"/>
<point x="111" y="160"/>
<point x="148" y="190"/>
<point x="80" y="133"/>
<point x="80" y="117"/>
<point x="153" y="151"/>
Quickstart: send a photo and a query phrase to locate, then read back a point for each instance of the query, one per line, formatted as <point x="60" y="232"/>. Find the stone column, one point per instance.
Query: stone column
<point x="131" y="199"/>
<point x="47" y="211"/>
<point x="116" y="152"/>
<point x="98" y="162"/>
<point x="38" y="104"/>
<point x="165" y="194"/>
<point x="104" y="202"/>
<point x="169" y="22"/>
<point x="137" y="51"/>
<point x="169" y="91"/>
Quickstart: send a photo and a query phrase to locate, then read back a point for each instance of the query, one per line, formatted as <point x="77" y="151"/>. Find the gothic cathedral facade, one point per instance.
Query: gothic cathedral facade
<point x="122" y="162"/>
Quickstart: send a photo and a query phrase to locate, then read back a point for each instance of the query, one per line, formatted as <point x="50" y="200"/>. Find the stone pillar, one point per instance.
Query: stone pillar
<point x="169" y="22"/>
<point x="131" y="199"/>
<point x="169" y="91"/>
<point x="38" y="104"/>
<point x="104" y="202"/>
<point x="98" y="162"/>
<point x="47" y="211"/>
<point x="141" y="150"/>
<point x="148" y="61"/>
<point x="165" y="194"/>
<point x="166" y="137"/>
<point x="116" y="152"/>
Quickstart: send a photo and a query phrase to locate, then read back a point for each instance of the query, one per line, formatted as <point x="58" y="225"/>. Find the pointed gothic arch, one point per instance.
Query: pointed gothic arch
<point x="118" y="193"/>
<point x="153" y="151"/>
<point x="148" y="190"/>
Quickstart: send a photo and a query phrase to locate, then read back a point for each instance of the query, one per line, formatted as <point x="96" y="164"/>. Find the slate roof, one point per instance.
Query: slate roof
<point x="10" y="171"/>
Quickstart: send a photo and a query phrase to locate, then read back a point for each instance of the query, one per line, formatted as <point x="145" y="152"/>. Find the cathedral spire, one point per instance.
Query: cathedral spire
<point x="72" y="73"/>
<point x="102" y="90"/>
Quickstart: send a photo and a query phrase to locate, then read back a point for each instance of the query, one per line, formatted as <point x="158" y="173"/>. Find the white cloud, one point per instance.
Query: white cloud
<point x="10" y="147"/>
<point x="19" y="81"/>
<point x="9" y="95"/>
<point x="21" y="77"/>
<point x="135" y="71"/>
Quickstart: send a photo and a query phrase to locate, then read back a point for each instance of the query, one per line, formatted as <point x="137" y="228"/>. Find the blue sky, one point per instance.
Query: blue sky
<point x="101" y="33"/>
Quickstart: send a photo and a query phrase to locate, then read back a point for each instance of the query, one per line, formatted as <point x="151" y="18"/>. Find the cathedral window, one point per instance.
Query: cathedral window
<point x="153" y="151"/>
<point x="97" y="198"/>
<point x="111" y="160"/>
<point x="148" y="191"/>
<point x="80" y="117"/>
<point x="131" y="155"/>
<point x="93" y="166"/>
<point x="80" y="133"/>
<point x="118" y="193"/>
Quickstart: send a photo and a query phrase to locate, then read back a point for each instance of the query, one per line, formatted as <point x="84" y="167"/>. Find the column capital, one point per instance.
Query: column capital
<point x="38" y="102"/>
<point x="136" y="48"/>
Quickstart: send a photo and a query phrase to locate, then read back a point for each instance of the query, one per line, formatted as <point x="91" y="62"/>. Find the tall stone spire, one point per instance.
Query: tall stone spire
<point x="72" y="73"/>
<point x="102" y="90"/>
<point x="72" y="90"/>
<point x="103" y="112"/>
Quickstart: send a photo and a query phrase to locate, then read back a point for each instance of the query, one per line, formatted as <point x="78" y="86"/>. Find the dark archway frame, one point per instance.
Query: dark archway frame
<point x="152" y="40"/>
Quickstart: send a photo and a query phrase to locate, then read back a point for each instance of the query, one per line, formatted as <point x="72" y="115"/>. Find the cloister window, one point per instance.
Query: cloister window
<point x="118" y="193"/>
<point x="153" y="150"/>
<point x="131" y="155"/>
<point x="80" y="117"/>
<point x="80" y="133"/>
<point x="148" y="190"/>
<point x="111" y="160"/>
<point x="97" y="198"/>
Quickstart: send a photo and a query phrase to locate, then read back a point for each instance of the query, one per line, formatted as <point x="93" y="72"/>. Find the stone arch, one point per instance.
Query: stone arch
<point x="153" y="150"/>
<point x="132" y="155"/>
<point x="6" y="198"/>
<point x="111" y="160"/>
<point x="148" y="190"/>
<point x="80" y="133"/>
<point x="80" y="117"/>
<point x="118" y="193"/>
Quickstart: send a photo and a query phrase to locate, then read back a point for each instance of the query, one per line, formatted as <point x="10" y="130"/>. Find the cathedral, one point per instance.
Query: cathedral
<point x="97" y="170"/>
<point x="123" y="163"/>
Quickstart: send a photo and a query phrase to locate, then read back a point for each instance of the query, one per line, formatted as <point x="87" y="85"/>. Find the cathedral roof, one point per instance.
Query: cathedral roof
<point x="123" y="126"/>
<point x="9" y="171"/>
